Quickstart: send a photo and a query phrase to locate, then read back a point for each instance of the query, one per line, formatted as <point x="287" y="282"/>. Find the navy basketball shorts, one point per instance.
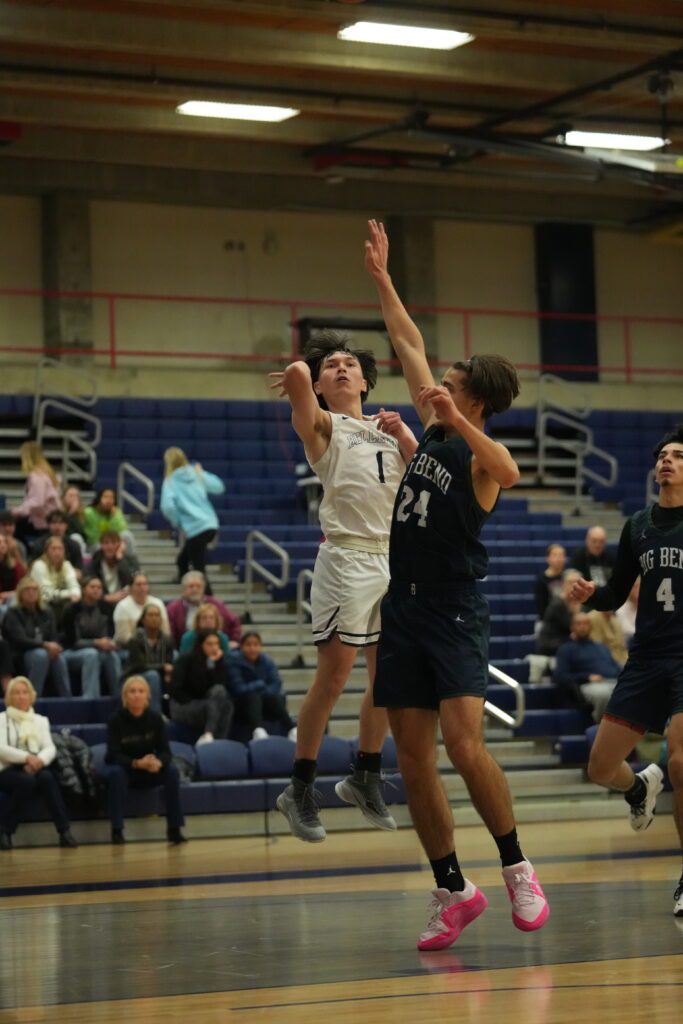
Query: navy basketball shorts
<point x="434" y="645"/>
<point x="648" y="692"/>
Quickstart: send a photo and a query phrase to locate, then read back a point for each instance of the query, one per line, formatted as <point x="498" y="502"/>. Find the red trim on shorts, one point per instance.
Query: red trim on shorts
<point x="629" y="725"/>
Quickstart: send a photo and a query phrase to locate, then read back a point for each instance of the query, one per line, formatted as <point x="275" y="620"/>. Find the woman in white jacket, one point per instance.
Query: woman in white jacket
<point x="56" y="577"/>
<point x="26" y="751"/>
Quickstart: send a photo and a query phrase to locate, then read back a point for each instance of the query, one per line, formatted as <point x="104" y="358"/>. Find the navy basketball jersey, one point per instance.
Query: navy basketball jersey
<point x="437" y="518"/>
<point x="659" y="619"/>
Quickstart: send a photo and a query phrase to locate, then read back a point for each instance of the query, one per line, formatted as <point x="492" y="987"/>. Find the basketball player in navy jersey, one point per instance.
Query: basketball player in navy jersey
<point x="432" y="661"/>
<point x="360" y="468"/>
<point x="649" y="690"/>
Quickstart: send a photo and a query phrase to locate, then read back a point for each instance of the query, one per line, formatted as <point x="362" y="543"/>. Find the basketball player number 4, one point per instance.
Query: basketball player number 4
<point x="419" y="508"/>
<point x="665" y="594"/>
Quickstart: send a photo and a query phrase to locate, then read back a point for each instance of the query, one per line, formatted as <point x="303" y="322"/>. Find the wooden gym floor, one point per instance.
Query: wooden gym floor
<point x="274" y="930"/>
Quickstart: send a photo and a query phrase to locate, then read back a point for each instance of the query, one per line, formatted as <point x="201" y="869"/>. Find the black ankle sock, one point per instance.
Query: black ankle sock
<point x="637" y="793"/>
<point x="509" y="848"/>
<point x="447" y="873"/>
<point x="368" y="762"/>
<point x="304" y="770"/>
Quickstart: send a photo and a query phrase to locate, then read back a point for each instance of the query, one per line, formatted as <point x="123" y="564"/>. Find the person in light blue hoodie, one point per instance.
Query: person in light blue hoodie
<point x="185" y="503"/>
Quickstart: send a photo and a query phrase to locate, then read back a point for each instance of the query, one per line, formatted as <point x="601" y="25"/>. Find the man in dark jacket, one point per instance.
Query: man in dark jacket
<point x="113" y="567"/>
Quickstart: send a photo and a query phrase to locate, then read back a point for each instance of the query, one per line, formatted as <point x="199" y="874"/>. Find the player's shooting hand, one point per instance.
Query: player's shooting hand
<point x="278" y="382"/>
<point x="376" y="249"/>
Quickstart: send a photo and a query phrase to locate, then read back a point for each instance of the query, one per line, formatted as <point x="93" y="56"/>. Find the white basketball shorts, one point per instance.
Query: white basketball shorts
<point x="346" y="592"/>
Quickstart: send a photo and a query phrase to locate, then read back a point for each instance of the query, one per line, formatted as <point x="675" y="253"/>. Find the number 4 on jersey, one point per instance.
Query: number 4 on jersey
<point x="419" y="508"/>
<point x="665" y="594"/>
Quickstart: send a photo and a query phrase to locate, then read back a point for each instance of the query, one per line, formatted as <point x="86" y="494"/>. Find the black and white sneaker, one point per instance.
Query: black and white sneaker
<point x="678" y="899"/>
<point x="643" y="813"/>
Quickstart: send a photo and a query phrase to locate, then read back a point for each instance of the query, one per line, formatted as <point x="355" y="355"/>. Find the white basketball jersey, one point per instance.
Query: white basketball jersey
<point x="360" y="473"/>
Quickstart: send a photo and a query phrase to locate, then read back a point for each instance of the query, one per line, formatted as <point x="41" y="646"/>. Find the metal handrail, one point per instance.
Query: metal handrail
<point x="513" y="721"/>
<point x="39" y="391"/>
<point x="70" y="468"/>
<point x="580" y="412"/>
<point x="252" y="566"/>
<point x="124" y="496"/>
<point x="581" y="449"/>
<point x="651" y="492"/>
<point x="303" y="605"/>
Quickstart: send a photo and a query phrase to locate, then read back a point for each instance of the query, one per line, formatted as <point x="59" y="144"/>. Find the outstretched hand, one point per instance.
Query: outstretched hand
<point x="376" y="250"/>
<point x="279" y="382"/>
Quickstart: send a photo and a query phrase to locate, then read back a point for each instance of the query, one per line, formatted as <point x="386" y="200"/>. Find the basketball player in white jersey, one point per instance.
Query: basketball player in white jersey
<point x="360" y="469"/>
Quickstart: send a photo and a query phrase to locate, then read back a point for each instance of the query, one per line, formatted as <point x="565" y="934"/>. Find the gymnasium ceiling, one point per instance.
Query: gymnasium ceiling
<point x="88" y="93"/>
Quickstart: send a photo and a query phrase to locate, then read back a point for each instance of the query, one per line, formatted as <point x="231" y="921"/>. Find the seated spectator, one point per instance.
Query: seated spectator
<point x="26" y="751"/>
<point x="256" y="687"/>
<point x="151" y="653"/>
<point x="557" y="621"/>
<point x="113" y="567"/>
<point x="72" y="507"/>
<point x="181" y="612"/>
<point x="594" y="561"/>
<point x="57" y="527"/>
<point x="185" y="503"/>
<point x="199" y="695"/>
<point x="8" y="529"/>
<point x="549" y="583"/>
<point x="103" y="515"/>
<point x="628" y="611"/>
<point x="56" y="578"/>
<point x="11" y="571"/>
<point x="128" y="611"/>
<point x="207" y="616"/>
<point x="586" y="669"/>
<point x="31" y="632"/>
<point x="606" y="629"/>
<point x="41" y="493"/>
<point x="6" y="666"/>
<point x="138" y="755"/>
<point x="87" y="634"/>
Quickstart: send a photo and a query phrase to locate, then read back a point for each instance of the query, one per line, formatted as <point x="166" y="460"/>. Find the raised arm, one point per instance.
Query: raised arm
<point x="311" y="423"/>
<point x="404" y="334"/>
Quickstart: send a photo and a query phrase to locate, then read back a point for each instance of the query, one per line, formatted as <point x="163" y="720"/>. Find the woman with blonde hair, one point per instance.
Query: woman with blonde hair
<point x="207" y="616"/>
<point x="139" y="755"/>
<point x="56" y="577"/>
<point x="26" y="751"/>
<point x="31" y="632"/>
<point x="41" y="492"/>
<point x="185" y="503"/>
<point x="12" y="569"/>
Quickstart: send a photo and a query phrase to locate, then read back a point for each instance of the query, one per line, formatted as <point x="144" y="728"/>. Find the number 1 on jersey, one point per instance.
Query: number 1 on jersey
<point x="380" y="468"/>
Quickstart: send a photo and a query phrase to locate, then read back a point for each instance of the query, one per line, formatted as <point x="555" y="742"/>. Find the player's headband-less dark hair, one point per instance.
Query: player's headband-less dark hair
<point x="327" y="342"/>
<point x="675" y="436"/>
<point x="492" y="380"/>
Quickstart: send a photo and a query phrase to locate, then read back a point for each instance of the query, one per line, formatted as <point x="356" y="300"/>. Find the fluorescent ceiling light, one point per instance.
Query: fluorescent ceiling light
<point x="604" y="140"/>
<point x="236" y="111"/>
<point x="404" y="35"/>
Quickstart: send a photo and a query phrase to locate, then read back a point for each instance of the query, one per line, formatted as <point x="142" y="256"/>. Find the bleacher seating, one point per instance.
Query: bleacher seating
<point x="252" y="446"/>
